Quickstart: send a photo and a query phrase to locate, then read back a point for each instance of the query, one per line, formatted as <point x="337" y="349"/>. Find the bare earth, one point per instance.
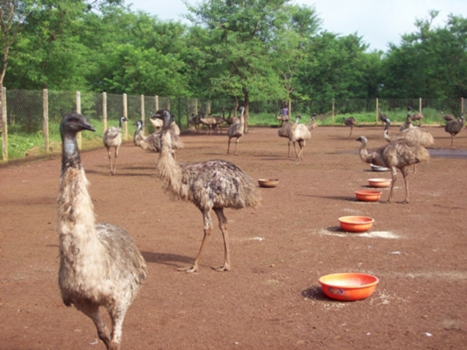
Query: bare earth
<point x="271" y="299"/>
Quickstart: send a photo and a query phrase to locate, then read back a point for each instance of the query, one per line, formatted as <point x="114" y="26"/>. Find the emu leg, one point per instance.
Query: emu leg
<point x="295" y="150"/>
<point x="223" y="226"/>
<point x="452" y="143"/>
<point x="351" y="127"/>
<point x="115" y="161"/>
<point x="92" y="311"/>
<point x="117" y="314"/>
<point x="288" y="153"/>
<point x="394" y="178"/>
<point x="110" y="160"/>
<point x="236" y="144"/>
<point x="207" y="233"/>
<point x="228" y="146"/>
<point x="405" y="174"/>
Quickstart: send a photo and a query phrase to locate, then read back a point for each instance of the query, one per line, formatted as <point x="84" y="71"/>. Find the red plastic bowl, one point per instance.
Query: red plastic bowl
<point x="348" y="286"/>
<point x="356" y="223"/>
<point x="368" y="195"/>
<point x="380" y="183"/>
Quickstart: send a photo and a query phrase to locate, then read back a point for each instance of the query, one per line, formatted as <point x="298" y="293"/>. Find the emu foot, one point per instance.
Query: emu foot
<point x="191" y="269"/>
<point x="222" y="268"/>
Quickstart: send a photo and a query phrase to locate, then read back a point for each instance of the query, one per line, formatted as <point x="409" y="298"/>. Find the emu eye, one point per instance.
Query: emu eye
<point x="73" y="121"/>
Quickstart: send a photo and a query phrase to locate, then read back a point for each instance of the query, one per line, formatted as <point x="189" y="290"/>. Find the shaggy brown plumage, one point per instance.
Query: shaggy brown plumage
<point x="113" y="138"/>
<point x="415" y="134"/>
<point x="300" y="134"/>
<point x="100" y="265"/>
<point x="153" y="142"/>
<point x="350" y="121"/>
<point x="284" y="131"/>
<point x="236" y="130"/>
<point x="453" y="127"/>
<point x="215" y="184"/>
<point x="398" y="154"/>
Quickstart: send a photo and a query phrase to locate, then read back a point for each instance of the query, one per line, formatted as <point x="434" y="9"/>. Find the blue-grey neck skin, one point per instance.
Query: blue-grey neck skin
<point x="70" y="154"/>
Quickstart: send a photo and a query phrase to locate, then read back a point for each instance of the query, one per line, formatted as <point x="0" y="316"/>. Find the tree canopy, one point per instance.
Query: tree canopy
<point x="248" y="50"/>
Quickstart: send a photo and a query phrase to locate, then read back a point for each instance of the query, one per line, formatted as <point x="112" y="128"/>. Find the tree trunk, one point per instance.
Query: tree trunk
<point x="246" y="103"/>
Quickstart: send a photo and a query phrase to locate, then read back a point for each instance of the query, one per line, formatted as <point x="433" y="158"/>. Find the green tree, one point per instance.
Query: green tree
<point x="238" y="49"/>
<point x="431" y="62"/>
<point x="291" y="43"/>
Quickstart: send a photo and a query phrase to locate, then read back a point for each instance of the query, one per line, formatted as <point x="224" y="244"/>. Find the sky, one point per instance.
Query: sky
<point x="378" y="22"/>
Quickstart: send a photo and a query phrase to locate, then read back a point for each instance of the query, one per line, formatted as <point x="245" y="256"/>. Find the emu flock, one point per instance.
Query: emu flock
<point x="100" y="264"/>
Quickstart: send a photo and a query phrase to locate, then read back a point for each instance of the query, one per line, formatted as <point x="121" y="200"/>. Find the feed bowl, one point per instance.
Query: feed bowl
<point x="268" y="182"/>
<point x="378" y="168"/>
<point x="380" y="183"/>
<point x="368" y="195"/>
<point x="348" y="286"/>
<point x="356" y="223"/>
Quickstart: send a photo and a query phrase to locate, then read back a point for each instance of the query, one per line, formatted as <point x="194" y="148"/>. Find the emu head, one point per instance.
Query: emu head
<point x="165" y="116"/>
<point x="73" y="123"/>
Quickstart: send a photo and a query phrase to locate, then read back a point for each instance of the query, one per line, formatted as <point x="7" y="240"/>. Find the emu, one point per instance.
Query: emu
<point x="214" y="184"/>
<point x="100" y="265"/>
<point x="113" y="138"/>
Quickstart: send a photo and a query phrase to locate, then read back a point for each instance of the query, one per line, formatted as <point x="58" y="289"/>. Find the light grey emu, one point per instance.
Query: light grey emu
<point x="153" y="142"/>
<point x="299" y="133"/>
<point x="284" y="131"/>
<point x="415" y="134"/>
<point x="398" y="154"/>
<point x="236" y="130"/>
<point x="113" y="138"/>
<point x="100" y="265"/>
<point x="214" y="184"/>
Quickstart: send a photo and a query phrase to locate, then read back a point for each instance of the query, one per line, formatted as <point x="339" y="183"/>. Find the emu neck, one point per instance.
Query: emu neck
<point x="169" y="170"/>
<point x="70" y="153"/>
<point x="364" y="153"/>
<point x="75" y="218"/>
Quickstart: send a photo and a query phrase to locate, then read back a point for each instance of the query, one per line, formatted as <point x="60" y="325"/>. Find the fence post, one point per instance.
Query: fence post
<point x="333" y="112"/>
<point x="168" y="103"/>
<point x="45" y="119"/>
<point x="196" y="106"/>
<point x="125" y="114"/>
<point x="78" y="110"/>
<point x="4" y="124"/>
<point x="104" y="110"/>
<point x="156" y="103"/>
<point x="462" y="105"/>
<point x="420" y="105"/>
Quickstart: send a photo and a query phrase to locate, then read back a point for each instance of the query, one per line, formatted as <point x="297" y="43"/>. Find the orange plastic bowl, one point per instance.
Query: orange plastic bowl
<point x="348" y="286"/>
<point x="379" y="182"/>
<point x="368" y="195"/>
<point x="356" y="223"/>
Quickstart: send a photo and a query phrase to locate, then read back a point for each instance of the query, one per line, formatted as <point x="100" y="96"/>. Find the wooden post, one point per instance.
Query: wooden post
<point x="156" y="103"/>
<point x="196" y="106"/>
<point x="4" y="124"/>
<point x="420" y="105"/>
<point x="142" y="108"/>
<point x="125" y="114"/>
<point x="333" y="112"/>
<point x="45" y="119"/>
<point x="462" y="105"/>
<point x="377" y="111"/>
<point x="104" y="110"/>
<point x="78" y="110"/>
<point x="168" y="103"/>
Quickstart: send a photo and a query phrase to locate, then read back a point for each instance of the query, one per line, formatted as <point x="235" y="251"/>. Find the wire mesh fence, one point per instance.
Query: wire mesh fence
<point x="32" y="112"/>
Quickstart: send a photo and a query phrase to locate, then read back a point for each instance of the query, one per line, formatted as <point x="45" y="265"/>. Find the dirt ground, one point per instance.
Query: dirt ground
<point x="271" y="299"/>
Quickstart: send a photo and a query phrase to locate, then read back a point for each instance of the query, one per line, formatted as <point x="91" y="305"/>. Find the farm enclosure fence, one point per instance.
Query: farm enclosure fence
<point x="32" y="112"/>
